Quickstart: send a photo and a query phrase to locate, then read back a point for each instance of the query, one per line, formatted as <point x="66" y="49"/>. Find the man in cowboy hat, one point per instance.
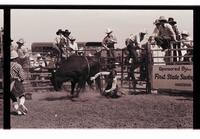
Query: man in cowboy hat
<point x="156" y="29"/>
<point x="165" y="35"/>
<point x="62" y="41"/>
<point x="187" y="42"/>
<point x="67" y="36"/>
<point x="16" y="87"/>
<point x="22" y="52"/>
<point x="132" y="57"/>
<point x="108" y="43"/>
<point x="135" y="46"/>
<point x="178" y="37"/>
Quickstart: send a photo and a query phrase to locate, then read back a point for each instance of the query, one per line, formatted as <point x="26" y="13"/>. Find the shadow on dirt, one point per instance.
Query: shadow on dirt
<point x="65" y="98"/>
<point x="57" y="98"/>
<point x="15" y="113"/>
<point x="185" y="94"/>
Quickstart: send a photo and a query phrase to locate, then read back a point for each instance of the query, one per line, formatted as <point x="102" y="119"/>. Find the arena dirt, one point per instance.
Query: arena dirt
<point x="56" y="110"/>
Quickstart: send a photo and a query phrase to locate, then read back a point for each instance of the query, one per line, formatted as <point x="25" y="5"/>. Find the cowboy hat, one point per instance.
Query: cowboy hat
<point x="59" y="31"/>
<point x="67" y="32"/>
<point x="171" y="20"/>
<point x="13" y="54"/>
<point x="185" y="33"/>
<point x="108" y="30"/>
<point x="20" y="41"/>
<point x="162" y="18"/>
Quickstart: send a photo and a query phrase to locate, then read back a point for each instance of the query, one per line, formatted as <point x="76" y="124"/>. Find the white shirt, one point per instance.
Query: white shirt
<point x="74" y="46"/>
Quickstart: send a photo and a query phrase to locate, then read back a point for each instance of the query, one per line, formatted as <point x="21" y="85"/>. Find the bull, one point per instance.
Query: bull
<point x="77" y="70"/>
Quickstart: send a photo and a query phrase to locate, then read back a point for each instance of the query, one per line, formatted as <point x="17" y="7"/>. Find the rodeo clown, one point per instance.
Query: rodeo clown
<point x="111" y="89"/>
<point x="16" y="87"/>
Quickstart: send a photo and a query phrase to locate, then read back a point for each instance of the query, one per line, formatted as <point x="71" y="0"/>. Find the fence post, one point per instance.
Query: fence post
<point x="122" y="67"/>
<point x="171" y="53"/>
<point x="149" y="68"/>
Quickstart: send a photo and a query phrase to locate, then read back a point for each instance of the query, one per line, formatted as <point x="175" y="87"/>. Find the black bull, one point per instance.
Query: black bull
<point x="77" y="70"/>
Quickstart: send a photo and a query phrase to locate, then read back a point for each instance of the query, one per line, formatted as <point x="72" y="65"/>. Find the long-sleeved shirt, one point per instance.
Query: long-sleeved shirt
<point x="74" y="46"/>
<point x="114" y="83"/>
<point x="166" y="31"/>
<point x="177" y="32"/>
<point x="109" y="41"/>
<point x="16" y="71"/>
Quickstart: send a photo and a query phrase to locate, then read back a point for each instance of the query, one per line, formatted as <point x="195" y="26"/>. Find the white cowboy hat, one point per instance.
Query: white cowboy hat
<point x="162" y="18"/>
<point x="132" y="37"/>
<point x="108" y="30"/>
<point x="20" y="41"/>
<point x="185" y="33"/>
<point x="13" y="54"/>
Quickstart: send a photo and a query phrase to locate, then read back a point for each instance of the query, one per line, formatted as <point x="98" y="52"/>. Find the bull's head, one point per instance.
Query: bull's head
<point x="55" y="82"/>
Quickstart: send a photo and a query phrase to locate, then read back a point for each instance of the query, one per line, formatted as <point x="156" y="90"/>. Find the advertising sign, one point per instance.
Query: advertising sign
<point x="175" y="77"/>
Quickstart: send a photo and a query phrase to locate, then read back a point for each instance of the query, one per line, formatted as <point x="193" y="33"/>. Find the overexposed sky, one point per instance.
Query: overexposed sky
<point x="90" y="25"/>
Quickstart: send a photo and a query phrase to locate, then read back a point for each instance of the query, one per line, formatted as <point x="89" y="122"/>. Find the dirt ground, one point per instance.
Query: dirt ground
<point x="56" y="110"/>
<point x="1" y="111"/>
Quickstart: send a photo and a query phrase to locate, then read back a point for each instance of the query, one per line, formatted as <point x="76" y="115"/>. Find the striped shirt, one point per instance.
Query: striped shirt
<point x="16" y="71"/>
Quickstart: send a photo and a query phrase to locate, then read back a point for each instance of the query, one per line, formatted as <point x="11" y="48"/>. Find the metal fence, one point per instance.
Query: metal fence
<point x="178" y="65"/>
<point x="37" y="80"/>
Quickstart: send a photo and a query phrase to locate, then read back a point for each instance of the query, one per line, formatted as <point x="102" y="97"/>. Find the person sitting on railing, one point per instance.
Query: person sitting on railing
<point x="16" y="87"/>
<point x="108" y="43"/>
<point x="39" y="65"/>
<point x="111" y="89"/>
<point x="187" y="41"/>
<point x="165" y="34"/>
<point x="178" y="37"/>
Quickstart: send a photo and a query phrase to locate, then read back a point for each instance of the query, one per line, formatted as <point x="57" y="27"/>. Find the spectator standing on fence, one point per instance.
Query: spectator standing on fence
<point x="109" y="44"/>
<point x="165" y="34"/>
<point x="16" y="88"/>
<point x="178" y="37"/>
<point x="111" y="89"/>
<point x="187" y="42"/>
<point x="143" y="54"/>
<point x="132" y="47"/>
<point x="137" y="43"/>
